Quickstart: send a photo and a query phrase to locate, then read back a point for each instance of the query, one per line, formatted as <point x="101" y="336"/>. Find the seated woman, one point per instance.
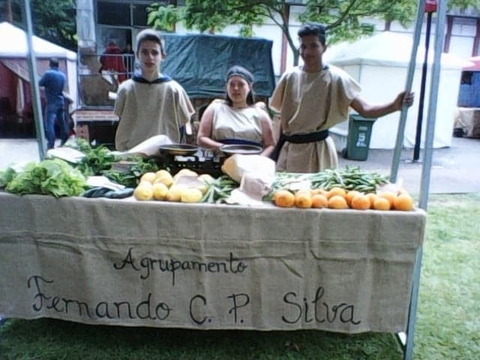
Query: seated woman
<point x="236" y="120"/>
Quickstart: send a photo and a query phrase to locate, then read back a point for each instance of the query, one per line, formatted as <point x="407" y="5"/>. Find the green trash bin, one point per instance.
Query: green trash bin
<point x="358" y="139"/>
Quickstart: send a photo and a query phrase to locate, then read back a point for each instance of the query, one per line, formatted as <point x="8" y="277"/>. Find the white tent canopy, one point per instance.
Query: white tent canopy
<point x="14" y="52"/>
<point x="380" y="63"/>
<point x="385" y="49"/>
<point x="14" y="44"/>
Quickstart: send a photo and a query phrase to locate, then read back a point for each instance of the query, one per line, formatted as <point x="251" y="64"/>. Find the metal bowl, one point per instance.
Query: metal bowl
<point x="231" y="149"/>
<point x="178" y="149"/>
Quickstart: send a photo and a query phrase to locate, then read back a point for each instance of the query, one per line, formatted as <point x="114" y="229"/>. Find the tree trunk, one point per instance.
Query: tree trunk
<point x="296" y="57"/>
<point x="8" y="11"/>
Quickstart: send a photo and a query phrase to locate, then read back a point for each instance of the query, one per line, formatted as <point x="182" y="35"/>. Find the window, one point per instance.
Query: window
<point x="466" y="78"/>
<point x="140" y="14"/>
<point x="129" y="13"/>
<point x="110" y="13"/>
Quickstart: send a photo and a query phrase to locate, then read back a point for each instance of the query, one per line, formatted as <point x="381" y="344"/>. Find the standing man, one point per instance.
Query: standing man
<point x="53" y="81"/>
<point x="150" y="103"/>
<point x="311" y="99"/>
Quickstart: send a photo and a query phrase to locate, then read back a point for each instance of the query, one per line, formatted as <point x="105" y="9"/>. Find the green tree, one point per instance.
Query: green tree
<point x="53" y="20"/>
<point x="342" y="17"/>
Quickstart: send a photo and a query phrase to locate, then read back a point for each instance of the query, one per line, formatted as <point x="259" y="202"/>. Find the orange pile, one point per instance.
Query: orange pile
<point x="339" y="198"/>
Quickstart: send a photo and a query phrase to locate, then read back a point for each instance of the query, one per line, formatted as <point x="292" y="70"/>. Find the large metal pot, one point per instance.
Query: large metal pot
<point x="178" y="149"/>
<point x="230" y="149"/>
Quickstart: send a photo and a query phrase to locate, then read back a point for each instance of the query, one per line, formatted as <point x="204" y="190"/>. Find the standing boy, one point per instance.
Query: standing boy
<point x="150" y="103"/>
<point x="311" y="99"/>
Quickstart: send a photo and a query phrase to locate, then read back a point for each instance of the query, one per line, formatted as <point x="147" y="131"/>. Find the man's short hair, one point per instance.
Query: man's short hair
<point x="150" y="35"/>
<point x="318" y="30"/>
<point x="53" y="62"/>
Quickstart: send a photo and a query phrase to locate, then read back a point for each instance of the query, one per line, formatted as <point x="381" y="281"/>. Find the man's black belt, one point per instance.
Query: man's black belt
<point x="298" y="139"/>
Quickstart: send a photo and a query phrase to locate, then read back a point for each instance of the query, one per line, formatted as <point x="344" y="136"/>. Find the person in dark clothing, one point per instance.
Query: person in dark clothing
<point x="112" y="61"/>
<point x="53" y="80"/>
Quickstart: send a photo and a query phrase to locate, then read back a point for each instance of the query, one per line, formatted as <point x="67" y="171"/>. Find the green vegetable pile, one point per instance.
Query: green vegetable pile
<point x="96" y="160"/>
<point x="48" y="177"/>
<point x="100" y="161"/>
<point x="6" y="176"/>
<point x="54" y="176"/>
<point x="350" y="178"/>
<point x="219" y="190"/>
<point x="130" y="176"/>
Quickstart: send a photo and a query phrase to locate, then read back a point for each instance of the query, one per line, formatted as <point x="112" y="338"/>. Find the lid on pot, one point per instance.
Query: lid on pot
<point x="231" y="149"/>
<point x="178" y="149"/>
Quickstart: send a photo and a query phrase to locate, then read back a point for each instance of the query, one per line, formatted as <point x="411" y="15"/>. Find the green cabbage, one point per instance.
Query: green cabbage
<point x="6" y="176"/>
<point x="49" y="177"/>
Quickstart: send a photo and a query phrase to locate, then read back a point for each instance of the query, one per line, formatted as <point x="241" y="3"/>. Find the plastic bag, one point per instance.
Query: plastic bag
<point x="237" y="165"/>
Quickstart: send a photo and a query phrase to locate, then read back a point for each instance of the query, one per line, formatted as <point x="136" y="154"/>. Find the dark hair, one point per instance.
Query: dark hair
<point x="53" y="62"/>
<point x="318" y="30"/>
<point x="237" y="70"/>
<point x="150" y="35"/>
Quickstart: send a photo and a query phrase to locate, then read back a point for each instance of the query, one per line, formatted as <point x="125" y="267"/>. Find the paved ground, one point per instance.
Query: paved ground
<point x="454" y="170"/>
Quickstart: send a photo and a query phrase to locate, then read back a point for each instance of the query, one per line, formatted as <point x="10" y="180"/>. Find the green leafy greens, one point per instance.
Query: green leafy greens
<point x="130" y="176"/>
<point x="48" y="177"/>
<point x="96" y="160"/>
<point x="6" y="176"/>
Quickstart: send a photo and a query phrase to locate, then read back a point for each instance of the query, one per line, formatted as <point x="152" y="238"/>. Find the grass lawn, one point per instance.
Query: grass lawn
<point x="448" y="318"/>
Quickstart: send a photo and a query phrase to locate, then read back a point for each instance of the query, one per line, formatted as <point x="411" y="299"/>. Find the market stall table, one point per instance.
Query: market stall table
<point x="124" y="262"/>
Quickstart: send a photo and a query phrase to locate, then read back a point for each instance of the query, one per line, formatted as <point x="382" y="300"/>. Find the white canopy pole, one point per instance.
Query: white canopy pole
<point x="407" y="338"/>
<point x="426" y="168"/>
<point x="32" y="69"/>
<point x="408" y="86"/>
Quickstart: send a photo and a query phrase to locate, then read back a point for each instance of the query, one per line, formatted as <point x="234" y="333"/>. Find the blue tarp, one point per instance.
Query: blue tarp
<point x="199" y="62"/>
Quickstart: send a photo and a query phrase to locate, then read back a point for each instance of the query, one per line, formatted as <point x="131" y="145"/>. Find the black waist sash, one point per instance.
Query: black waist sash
<point x="297" y="139"/>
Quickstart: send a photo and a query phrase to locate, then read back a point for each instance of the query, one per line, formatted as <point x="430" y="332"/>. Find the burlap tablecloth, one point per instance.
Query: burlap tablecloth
<point x="123" y="262"/>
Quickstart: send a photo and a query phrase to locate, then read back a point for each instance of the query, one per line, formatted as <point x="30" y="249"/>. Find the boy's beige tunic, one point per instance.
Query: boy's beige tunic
<point x="149" y="109"/>
<point x="310" y="102"/>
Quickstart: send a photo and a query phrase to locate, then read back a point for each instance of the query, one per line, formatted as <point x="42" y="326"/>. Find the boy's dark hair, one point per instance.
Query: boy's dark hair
<point x="237" y="70"/>
<point x="150" y="35"/>
<point x="54" y="62"/>
<point x="319" y="30"/>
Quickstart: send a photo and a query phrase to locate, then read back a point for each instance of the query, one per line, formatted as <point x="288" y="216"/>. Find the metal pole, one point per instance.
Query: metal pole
<point x="421" y="100"/>
<point x="411" y="71"/>
<point x="32" y="69"/>
<point x="426" y="167"/>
